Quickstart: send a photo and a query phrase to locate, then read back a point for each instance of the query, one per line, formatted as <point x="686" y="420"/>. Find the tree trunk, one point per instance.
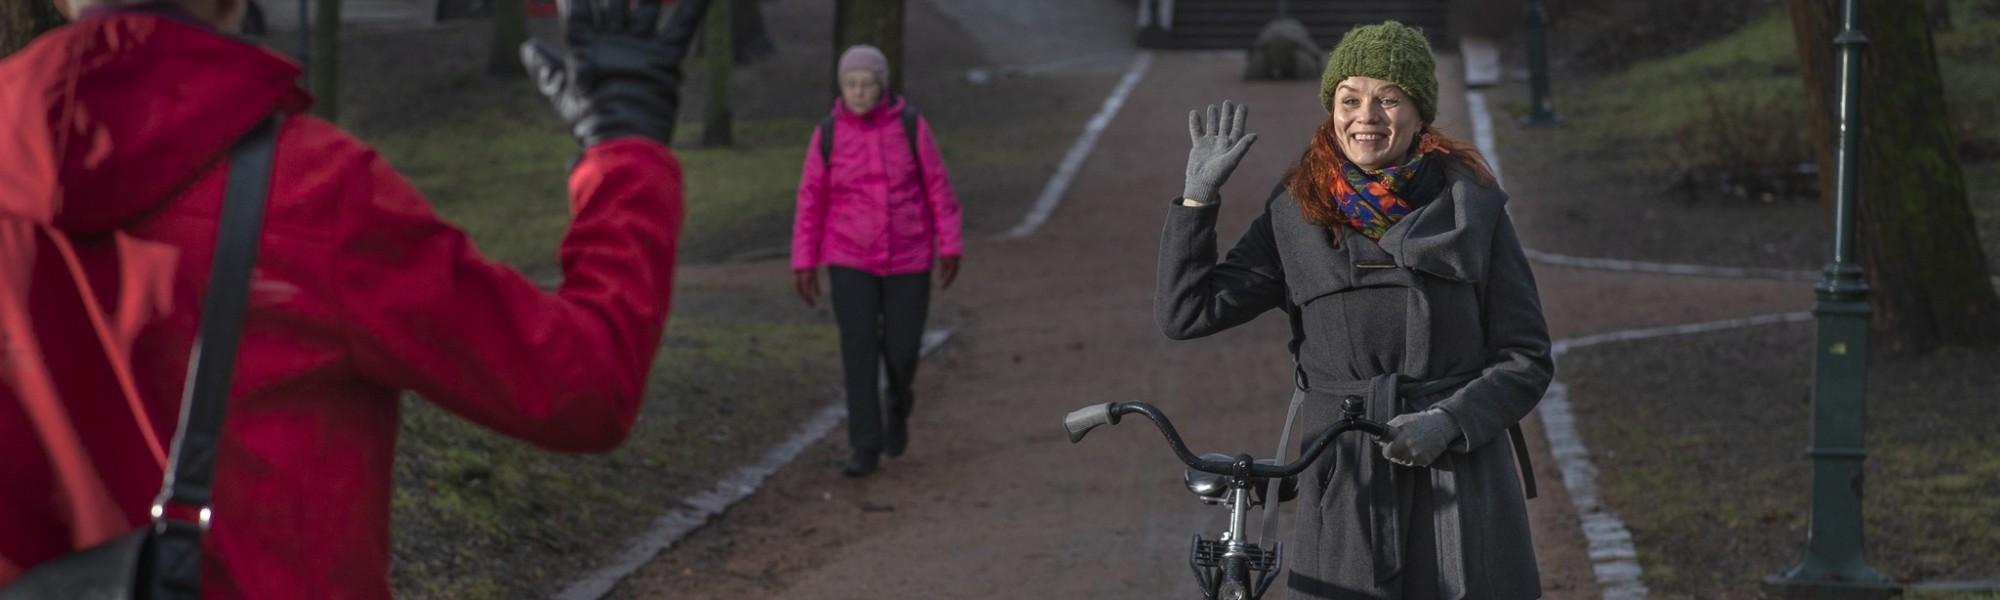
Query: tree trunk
<point x="324" y="73"/>
<point x="510" y="28"/>
<point x="1940" y="15"/>
<point x="1814" y="23"/>
<point x="22" y="20"/>
<point x="752" y="41"/>
<point x="1920" y="251"/>
<point x="719" y="56"/>
<point x="878" y="23"/>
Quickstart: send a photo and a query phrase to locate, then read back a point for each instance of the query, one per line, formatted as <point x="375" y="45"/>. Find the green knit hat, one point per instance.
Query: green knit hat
<point x="1391" y="52"/>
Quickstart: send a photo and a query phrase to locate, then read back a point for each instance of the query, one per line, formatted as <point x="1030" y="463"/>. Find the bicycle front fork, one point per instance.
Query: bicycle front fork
<point x="1224" y="567"/>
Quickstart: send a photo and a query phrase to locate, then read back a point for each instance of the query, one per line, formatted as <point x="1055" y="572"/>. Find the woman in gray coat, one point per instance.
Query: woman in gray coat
<point x="1390" y="247"/>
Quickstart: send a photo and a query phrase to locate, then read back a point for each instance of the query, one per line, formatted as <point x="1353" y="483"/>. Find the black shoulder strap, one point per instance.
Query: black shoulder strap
<point x="826" y="142"/>
<point x="1292" y="312"/>
<point x="1522" y="459"/>
<point x="173" y="554"/>
<point x="191" y="468"/>
<point x="910" y="131"/>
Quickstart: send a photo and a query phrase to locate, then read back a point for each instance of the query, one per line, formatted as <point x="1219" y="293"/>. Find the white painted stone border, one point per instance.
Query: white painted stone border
<point x="1640" y="266"/>
<point x="1612" y="556"/>
<point x="1482" y="132"/>
<point x="1073" y="161"/>
<point x="695" y="511"/>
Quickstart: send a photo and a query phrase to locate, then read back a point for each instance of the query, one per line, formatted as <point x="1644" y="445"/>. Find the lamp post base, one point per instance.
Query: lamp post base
<point x="1541" y="120"/>
<point x="1790" y="586"/>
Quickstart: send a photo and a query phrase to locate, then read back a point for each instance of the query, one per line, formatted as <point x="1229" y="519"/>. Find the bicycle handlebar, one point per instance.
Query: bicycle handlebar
<point x="1080" y="422"/>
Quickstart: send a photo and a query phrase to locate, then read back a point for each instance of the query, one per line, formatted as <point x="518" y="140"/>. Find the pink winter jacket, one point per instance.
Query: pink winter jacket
<point x="868" y="211"/>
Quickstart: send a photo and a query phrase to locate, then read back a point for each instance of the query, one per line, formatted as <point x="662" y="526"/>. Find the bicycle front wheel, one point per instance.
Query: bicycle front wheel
<point x="1235" y="579"/>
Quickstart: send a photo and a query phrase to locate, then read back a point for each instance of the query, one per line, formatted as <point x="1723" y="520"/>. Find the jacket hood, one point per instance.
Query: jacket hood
<point x="108" y="117"/>
<point x="889" y="108"/>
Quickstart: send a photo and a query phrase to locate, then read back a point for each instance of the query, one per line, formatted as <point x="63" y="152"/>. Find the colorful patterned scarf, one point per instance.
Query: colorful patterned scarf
<point x="1370" y="198"/>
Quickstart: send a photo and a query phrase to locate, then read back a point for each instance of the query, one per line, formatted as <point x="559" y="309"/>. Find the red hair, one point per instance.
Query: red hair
<point x="1310" y="180"/>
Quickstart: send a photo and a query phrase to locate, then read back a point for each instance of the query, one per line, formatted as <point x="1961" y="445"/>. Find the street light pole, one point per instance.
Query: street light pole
<point x="1834" y="565"/>
<point x="1541" y="109"/>
<point x="305" y="34"/>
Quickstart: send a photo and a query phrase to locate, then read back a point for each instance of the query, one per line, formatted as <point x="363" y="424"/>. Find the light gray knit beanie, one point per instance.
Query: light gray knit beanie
<point x="866" y="58"/>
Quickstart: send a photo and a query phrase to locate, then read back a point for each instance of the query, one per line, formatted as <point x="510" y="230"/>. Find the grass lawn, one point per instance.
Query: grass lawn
<point x="479" y="516"/>
<point x="1700" y="438"/>
<point x="504" y="180"/>
<point x="1700" y="442"/>
<point x="1739" y="101"/>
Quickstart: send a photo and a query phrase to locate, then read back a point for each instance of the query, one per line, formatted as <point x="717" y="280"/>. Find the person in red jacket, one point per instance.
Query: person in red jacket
<point x="876" y="207"/>
<point x="116" y="137"/>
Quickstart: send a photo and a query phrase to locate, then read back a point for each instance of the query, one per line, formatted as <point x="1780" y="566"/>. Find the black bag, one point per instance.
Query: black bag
<point x="162" y="561"/>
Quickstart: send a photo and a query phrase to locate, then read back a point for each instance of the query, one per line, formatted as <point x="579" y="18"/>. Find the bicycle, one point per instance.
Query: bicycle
<point x="1223" y="567"/>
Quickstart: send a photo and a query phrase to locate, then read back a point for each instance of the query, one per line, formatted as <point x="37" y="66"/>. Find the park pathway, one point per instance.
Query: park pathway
<point x="992" y="501"/>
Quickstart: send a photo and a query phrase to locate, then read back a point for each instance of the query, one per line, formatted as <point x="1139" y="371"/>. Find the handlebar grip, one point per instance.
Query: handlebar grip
<point x="1082" y="420"/>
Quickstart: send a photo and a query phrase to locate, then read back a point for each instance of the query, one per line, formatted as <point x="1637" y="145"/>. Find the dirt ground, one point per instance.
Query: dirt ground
<point x="993" y="502"/>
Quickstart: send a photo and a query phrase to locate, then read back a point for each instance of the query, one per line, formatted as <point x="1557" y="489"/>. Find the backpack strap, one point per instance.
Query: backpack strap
<point x="910" y="125"/>
<point x="910" y="131"/>
<point x="826" y="142"/>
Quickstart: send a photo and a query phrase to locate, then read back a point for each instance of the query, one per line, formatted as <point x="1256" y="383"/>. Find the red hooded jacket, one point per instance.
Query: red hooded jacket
<point x="114" y="134"/>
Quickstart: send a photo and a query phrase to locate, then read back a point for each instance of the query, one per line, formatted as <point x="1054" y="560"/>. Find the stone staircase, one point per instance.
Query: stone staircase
<point x="1233" y="24"/>
<point x="372" y="15"/>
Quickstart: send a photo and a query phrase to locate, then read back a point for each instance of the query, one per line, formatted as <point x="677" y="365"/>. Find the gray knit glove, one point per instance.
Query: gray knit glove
<point x="1423" y="437"/>
<point x="1219" y="143"/>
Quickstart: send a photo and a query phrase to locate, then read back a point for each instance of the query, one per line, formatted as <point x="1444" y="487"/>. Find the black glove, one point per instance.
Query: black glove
<point x="622" y="75"/>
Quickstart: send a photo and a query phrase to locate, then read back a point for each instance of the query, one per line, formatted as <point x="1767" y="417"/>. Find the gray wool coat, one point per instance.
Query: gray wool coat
<point x="1442" y="311"/>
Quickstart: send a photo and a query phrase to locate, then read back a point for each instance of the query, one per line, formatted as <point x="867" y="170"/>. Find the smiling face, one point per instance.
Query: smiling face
<point x="860" y="90"/>
<point x="1377" y="123"/>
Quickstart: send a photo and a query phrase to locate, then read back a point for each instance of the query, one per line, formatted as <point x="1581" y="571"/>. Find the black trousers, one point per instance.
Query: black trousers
<point x="881" y="323"/>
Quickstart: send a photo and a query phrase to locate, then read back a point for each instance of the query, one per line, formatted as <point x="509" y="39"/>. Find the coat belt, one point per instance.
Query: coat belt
<point x="1376" y="484"/>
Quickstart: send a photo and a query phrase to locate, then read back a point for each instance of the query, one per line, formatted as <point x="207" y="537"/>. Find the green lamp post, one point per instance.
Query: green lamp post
<point x="1541" y="109"/>
<point x="1834" y="565"/>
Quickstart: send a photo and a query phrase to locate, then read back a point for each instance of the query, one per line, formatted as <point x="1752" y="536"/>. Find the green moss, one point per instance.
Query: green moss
<point x="1982" y="185"/>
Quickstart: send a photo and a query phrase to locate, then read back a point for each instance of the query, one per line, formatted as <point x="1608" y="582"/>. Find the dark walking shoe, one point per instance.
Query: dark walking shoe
<point x="896" y="436"/>
<point x="860" y="465"/>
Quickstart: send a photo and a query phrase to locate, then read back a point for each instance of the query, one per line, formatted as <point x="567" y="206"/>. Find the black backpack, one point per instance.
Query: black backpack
<point x="909" y="131"/>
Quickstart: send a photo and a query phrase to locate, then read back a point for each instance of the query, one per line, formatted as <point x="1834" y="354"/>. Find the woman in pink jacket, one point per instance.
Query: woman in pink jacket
<point x="875" y="207"/>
